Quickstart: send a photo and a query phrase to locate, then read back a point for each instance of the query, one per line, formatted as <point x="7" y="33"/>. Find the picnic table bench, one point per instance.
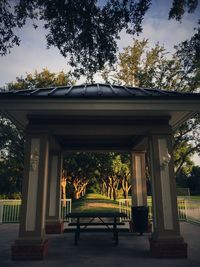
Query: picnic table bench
<point x="91" y="216"/>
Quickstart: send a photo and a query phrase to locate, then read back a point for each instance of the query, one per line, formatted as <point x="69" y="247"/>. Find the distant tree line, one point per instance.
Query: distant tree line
<point x="104" y="173"/>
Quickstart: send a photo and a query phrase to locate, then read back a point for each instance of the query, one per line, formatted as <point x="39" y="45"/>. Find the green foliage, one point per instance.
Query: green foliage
<point x="121" y="168"/>
<point x="186" y="143"/>
<point x="181" y="181"/>
<point x="94" y="187"/>
<point x="84" y="31"/>
<point x="194" y="180"/>
<point x="80" y="164"/>
<point x="3" y="196"/>
<point x="103" y="173"/>
<point x="179" y="7"/>
<point x="15" y="195"/>
<point x="140" y="66"/>
<point x="80" y="170"/>
<point x="45" y="78"/>
<point x="12" y="139"/>
<point x="11" y="157"/>
<point x="187" y="137"/>
<point x="188" y="53"/>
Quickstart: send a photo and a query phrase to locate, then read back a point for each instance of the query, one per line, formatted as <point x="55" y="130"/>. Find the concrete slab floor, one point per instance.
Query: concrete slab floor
<point x="98" y="250"/>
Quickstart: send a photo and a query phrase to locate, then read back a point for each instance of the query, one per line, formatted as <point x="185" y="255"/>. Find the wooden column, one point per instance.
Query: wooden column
<point x="139" y="190"/>
<point x="139" y="194"/>
<point x="32" y="243"/>
<point x="54" y="224"/>
<point x="166" y="240"/>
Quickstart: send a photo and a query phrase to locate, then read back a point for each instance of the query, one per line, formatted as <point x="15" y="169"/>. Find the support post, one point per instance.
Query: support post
<point x="139" y="193"/>
<point x="54" y="223"/>
<point x="32" y="243"/>
<point x="166" y="241"/>
<point x="139" y="190"/>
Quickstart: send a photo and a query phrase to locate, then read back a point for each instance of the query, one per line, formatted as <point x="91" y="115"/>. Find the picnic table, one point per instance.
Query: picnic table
<point x="110" y="226"/>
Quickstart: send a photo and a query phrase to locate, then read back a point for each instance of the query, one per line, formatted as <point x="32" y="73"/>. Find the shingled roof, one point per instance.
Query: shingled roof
<point x="95" y="91"/>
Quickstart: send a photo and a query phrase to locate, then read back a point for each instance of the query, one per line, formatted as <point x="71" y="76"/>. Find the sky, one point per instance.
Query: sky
<point x="32" y="54"/>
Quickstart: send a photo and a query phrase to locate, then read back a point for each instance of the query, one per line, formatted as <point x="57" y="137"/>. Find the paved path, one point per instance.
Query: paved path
<point x="97" y="250"/>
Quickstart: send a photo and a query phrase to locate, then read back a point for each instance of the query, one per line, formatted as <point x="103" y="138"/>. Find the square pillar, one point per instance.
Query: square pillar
<point x="54" y="224"/>
<point x="166" y="241"/>
<point x="139" y="194"/>
<point x="139" y="189"/>
<point x="32" y="243"/>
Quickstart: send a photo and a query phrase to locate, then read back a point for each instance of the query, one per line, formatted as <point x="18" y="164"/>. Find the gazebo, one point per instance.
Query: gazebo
<point x="97" y="117"/>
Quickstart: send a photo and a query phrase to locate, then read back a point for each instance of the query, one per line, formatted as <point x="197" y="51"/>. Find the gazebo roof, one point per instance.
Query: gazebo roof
<point x="98" y="101"/>
<point x="96" y="91"/>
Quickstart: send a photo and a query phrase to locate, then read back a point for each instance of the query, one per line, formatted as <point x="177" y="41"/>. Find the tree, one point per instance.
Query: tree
<point x="45" y="78"/>
<point x="11" y="157"/>
<point x="152" y="68"/>
<point x="121" y="168"/>
<point x="186" y="144"/>
<point x="104" y="163"/>
<point x="12" y="139"/>
<point x="188" y="53"/>
<point x="109" y="170"/>
<point x="79" y="169"/>
<point x="113" y="173"/>
<point x="86" y="31"/>
<point x="143" y="67"/>
<point x="179" y="8"/>
<point x="194" y="180"/>
<point x="140" y="66"/>
<point x="107" y="174"/>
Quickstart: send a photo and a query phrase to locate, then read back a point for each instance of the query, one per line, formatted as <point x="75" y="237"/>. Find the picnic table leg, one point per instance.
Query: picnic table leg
<point x="115" y="232"/>
<point x="77" y="232"/>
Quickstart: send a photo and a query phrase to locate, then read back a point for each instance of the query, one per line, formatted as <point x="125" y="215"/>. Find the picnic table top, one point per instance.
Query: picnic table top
<point x="95" y="214"/>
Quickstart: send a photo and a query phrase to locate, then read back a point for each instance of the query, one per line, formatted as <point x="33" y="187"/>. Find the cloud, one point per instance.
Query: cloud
<point x="32" y="54"/>
<point x="167" y="33"/>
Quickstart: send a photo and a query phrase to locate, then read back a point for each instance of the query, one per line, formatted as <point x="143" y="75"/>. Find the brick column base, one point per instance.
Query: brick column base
<point x="27" y="251"/>
<point x="54" y="227"/>
<point x="168" y="249"/>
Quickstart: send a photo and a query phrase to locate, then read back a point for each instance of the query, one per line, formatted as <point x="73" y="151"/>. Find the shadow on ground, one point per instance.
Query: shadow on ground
<point x="98" y="250"/>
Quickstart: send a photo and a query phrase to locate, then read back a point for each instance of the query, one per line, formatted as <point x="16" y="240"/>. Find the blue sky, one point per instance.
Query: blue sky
<point x="32" y="54"/>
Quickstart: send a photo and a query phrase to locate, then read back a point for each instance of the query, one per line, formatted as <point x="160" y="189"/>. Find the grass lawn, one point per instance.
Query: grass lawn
<point x="95" y="203"/>
<point x="194" y="197"/>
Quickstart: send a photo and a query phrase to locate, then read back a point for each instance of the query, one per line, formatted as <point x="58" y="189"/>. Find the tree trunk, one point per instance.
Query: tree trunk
<point x="110" y="192"/>
<point x="125" y="193"/>
<point x="114" y="194"/>
<point x="63" y="191"/>
<point x="125" y="186"/>
<point x="76" y="195"/>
